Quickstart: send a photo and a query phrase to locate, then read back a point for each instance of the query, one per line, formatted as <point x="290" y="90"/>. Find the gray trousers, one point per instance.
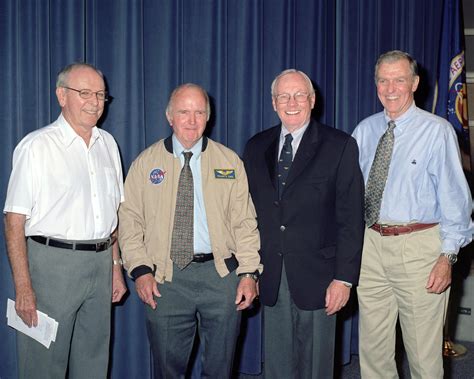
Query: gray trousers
<point x="298" y="344"/>
<point x="197" y="299"/>
<point x="74" y="288"/>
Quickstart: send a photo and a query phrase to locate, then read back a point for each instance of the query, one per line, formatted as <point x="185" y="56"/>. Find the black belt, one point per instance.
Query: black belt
<point x="201" y="257"/>
<point x="97" y="247"/>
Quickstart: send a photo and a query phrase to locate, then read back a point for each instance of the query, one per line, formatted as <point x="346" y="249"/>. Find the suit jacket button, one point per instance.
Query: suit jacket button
<point x="282" y="228"/>
<point x="276" y="203"/>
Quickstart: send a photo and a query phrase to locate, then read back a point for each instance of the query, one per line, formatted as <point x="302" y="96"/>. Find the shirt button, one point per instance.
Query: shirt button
<point x="282" y="228"/>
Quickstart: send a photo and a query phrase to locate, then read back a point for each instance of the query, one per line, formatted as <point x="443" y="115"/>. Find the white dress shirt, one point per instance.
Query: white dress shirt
<point x="67" y="190"/>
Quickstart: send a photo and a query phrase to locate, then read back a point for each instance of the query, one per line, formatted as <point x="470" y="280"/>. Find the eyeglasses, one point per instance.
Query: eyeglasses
<point x="284" y="98"/>
<point x="87" y="94"/>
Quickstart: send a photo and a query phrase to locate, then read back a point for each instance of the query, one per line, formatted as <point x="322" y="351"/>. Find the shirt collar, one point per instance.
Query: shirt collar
<point x="68" y="135"/>
<point x="296" y="134"/>
<point x="403" y="120"/>
<point x="178" y="148"/>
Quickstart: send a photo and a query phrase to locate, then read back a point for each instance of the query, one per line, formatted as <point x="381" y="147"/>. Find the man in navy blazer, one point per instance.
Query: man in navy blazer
<point x="308" y="191"/>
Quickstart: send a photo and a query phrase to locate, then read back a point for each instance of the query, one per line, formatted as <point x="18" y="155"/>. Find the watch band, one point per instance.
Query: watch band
<point x="251" y="275"/>
<point x="117" y="262"/>
<point x="452" y="257"/>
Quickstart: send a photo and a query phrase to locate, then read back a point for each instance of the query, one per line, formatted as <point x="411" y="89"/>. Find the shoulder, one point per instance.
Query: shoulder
<point x="329" y="132"/>
<point x="265" y="136"/>
<point x="151" y="153"/>
<point x="219" y="150"/>
<point x="38" y="137"/>
<point x="433" y="121"/>
<point x="369" y="123"/>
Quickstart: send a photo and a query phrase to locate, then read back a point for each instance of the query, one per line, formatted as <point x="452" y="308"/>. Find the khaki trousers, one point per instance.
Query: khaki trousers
<point x="394" y="273"/>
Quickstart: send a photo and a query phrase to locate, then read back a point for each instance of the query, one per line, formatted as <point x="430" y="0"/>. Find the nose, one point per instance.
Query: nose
<point x="94" y="99"/>
<point x="192" y="118"/>
<point x="391" y="86"/>
<point x="292" y="100"/>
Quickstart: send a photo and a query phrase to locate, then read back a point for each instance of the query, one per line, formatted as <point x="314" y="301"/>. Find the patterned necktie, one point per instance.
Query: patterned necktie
<point x="182" y="239"/>
<point x="284" y="163"/>
<point x="378" y="175"/>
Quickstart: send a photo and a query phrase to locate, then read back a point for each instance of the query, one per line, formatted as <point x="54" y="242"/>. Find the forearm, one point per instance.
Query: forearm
<point x="17" y="251"/>
<point x="115" y="247"/>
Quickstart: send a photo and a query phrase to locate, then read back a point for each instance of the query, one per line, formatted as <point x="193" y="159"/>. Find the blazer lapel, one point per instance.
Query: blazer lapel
<point x="306" y="151"/>
<point x="271" y="157"/>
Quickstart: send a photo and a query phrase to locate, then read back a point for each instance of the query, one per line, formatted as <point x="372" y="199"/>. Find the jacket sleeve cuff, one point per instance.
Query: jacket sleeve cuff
<point x="140" y="271"/>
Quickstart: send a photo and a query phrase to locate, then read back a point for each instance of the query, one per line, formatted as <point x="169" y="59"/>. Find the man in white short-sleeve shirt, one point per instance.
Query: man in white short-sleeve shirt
<point x="60" y="220"/>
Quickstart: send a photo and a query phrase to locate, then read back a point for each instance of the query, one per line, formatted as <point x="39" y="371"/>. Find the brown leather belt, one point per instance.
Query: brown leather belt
<point x="395" y="230"/>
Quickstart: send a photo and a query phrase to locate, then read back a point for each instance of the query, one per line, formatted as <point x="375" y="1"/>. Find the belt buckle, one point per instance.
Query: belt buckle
<point x="382" y="227"/>
<point x="101" y="246"/>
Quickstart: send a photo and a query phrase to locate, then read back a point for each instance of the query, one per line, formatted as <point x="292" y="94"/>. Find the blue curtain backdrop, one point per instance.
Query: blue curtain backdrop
<point x="233" y="48"/>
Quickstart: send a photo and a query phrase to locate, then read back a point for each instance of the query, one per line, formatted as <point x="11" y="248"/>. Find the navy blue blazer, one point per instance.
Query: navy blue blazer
<point x="317" y="227"/>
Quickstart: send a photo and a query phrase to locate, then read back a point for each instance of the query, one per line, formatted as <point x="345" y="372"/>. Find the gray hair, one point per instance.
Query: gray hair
<point x="394" y="56"/>
<point x="63" y="75"/>
<point x="169" y="107"/>
<point x="292" y="71"/>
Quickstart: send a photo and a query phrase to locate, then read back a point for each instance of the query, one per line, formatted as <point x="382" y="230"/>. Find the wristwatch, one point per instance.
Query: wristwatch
<point x="117" y="262"/>
<point x="254" y="275"/>
<point x="452" y="257"/>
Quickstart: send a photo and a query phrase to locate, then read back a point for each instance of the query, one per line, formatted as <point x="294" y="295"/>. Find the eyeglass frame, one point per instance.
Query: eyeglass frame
<point x="96" y="93"/>
<point x="299" y="93"/>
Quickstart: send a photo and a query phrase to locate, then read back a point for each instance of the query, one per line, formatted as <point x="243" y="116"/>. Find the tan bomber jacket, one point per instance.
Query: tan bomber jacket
<point x="147" y="214"/>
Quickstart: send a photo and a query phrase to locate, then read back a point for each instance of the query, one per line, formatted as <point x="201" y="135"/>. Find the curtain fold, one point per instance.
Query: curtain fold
<point x="233" y="48"/>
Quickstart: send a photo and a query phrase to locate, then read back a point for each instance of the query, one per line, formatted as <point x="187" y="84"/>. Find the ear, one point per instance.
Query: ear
<point x="274" y="104"/>
<point x="169" y="118"/>
<point x="312" y="100"/>
<point x="415" y="83"/>
<point x="61" y="95"/>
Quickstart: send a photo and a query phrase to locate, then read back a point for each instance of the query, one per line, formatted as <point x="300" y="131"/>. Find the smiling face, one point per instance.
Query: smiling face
<point x="188" y="115"/>
<point x="396" y="86"/>
<point x="293" y="114"/>
<point x="81" y="114"/>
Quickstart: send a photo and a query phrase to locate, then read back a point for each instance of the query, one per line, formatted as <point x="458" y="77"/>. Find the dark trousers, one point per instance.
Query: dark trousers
<point x="197" y="299"/>
<point x="298" y="344"/>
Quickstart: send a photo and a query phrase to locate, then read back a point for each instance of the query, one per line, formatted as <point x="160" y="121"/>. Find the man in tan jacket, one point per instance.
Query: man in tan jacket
<point x="186" y="225"/>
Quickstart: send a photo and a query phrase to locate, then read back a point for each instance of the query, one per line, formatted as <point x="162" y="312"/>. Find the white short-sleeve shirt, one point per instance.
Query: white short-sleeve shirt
<point x="66" y="189"/>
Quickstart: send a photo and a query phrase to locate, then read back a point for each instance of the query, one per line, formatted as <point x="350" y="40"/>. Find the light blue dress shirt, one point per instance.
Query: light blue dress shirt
<point x="425" y="183"/>
<point x="202" y="242"/>
<point x="297" y="137"/>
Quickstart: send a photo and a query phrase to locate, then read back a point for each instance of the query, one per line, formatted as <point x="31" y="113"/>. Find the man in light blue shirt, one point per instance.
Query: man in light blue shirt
<point x="415" y="228"/>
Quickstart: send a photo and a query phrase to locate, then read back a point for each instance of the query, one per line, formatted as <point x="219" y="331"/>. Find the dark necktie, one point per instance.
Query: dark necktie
<point x="378" y="175"/>
<point x="182" y="239"/>
<point x="284" y="163"/>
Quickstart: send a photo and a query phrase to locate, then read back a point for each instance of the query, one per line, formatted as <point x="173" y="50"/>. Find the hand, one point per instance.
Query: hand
<point x="25" y="306"/>
<point x="246" y="293"/>
<point x="337" y="295"/>
<point x="118" y="284"/>
<point x="440" y="276"/>
<point x="146" y="287"/>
